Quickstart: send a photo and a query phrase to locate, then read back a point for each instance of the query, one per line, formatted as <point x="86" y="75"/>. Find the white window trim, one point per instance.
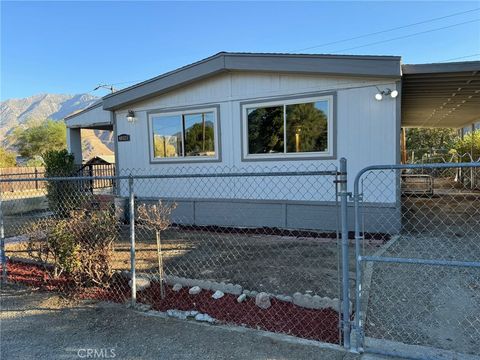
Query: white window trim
<point x="300" y="100"/>
<point x="184" y="158"/>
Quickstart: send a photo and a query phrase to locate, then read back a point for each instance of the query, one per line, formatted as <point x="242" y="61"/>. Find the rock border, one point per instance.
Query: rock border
<point x="307" y="300"/>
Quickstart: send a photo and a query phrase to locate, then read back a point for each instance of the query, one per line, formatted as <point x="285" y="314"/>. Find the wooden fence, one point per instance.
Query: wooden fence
<point x="98" y="170"/>
<point x="39" y="172"/>
<point x="21" y="173"/>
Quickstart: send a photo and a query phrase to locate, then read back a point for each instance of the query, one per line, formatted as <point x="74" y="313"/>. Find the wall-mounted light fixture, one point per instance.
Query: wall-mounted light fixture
<point x="131" y="116"/>
<point x="379" y="95"/>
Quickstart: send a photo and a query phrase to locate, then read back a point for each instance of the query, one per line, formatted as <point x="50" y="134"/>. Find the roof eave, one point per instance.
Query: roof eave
<point x="454" y="67"/>
<point x="381" y="66"/>
<point x="87" y="109"/>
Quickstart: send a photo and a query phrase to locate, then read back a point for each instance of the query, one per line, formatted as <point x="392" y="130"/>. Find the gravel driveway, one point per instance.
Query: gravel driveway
<point x="36" y="325"/>
<point x="434" y="306"/>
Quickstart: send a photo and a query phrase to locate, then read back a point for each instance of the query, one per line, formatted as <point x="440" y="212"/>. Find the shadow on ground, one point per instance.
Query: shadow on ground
<point x="37" y="325"/>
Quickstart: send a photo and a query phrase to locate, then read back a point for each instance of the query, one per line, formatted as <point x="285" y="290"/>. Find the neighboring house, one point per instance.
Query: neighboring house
<point x="253" y="112"/>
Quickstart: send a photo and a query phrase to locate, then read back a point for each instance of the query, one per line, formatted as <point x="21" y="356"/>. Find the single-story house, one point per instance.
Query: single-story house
<point x="254" y="112"/>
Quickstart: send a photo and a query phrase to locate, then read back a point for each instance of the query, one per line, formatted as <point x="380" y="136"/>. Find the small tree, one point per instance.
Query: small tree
<point x="157" y="218"/>
<point x="426" y="141"/>
<point x="40" y="136"/>
<point x="468" y="148"/>
<point x="7" y="158"/>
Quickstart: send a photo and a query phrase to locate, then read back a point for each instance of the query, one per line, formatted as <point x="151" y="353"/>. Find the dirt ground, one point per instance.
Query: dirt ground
<point x="271" y="263"/>
<point x="38" y="325"/>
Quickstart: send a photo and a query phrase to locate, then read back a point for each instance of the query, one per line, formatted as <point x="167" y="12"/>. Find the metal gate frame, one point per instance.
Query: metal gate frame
<point x="358" y="326"/>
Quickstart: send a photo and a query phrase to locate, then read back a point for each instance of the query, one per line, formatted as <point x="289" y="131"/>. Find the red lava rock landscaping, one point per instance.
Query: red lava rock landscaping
<point x="36" y="276"/>
<point x="281" y="317"/>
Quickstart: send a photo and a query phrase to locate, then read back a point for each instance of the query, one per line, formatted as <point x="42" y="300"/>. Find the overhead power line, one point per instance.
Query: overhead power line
<point x="461" y="57"/>
<point x="407" y="36"/>
<point x="386" y="30"/>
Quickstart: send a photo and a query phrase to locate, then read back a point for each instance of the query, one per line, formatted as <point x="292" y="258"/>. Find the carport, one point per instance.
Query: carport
<point x="441" y="95"/>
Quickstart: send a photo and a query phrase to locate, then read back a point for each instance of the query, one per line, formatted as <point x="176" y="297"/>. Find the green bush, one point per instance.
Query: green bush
<point x="52" y="243"/>
<point x="63" y="195"/>
<point x="7" y="158"/>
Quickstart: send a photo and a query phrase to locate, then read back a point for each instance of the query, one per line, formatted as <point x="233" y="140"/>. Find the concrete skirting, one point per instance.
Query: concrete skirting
<point x="22" y="205"/>
<point x="311" y="215"/>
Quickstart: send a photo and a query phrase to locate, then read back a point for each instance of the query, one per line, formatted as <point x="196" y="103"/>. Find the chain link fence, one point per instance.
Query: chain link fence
<point x="247" y="246"/>
<point x="421" y="284"/>
<point x="65" y="237"/>
<point x="266" y="248"/>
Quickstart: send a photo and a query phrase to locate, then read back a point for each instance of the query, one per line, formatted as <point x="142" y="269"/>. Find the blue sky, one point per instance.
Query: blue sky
<point x="69" y="47"/>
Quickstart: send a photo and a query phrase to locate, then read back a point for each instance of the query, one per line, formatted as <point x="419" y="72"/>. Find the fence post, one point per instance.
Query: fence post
<point x="131" y="206"/>
<point x="36" y="181"/>
<point x="358" y="269"/>
<point x="3" y="257"/>
<point x="345" y="258"/>
<point x="90" y="174"/>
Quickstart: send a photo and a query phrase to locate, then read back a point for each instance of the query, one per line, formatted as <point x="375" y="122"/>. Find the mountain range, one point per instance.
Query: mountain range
<point x="17" y="112"/>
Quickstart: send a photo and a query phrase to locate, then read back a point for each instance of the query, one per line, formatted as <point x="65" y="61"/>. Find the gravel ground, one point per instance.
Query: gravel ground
<point x="427" y="305"/>
<point x="37" y="325"/>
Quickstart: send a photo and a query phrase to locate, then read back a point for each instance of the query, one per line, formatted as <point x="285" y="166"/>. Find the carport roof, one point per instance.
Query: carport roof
<point x="441" y="94"/>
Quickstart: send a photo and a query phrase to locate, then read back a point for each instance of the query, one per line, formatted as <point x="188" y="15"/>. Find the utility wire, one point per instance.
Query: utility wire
<point x="386" y="30"/>
<point x="407" y="36"/>
<point x="377" y="42"/>
<point x="128" y="82"/>
<point x="461" y="57"/>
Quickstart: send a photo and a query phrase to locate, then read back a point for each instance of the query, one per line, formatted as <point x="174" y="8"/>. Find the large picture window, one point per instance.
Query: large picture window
<point x="289" y="128"/>
<point x="180" y="135"/>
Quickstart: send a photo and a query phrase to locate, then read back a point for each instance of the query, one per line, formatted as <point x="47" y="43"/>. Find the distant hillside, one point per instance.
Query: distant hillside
<point x="16" y="112"/>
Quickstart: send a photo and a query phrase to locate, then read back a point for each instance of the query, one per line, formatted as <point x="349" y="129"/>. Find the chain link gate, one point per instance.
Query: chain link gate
<point x="417" y="239"/>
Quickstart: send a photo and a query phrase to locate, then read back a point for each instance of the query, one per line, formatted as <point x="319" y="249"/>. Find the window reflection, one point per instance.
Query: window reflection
<point x="199" y="134"/>
<point x="307" y="127"/>
<point x="265" y="130"/>
<point x="167" y="136"/>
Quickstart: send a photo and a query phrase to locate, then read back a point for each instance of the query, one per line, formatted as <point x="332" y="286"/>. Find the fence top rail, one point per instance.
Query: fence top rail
<point x="23" y="173"/>
<point x="177" y="176"/>
<point x="410" y="166"/>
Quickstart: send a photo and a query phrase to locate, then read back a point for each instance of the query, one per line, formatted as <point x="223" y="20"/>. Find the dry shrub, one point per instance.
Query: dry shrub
<point x="81" y="247"/>
<point x="155" y="216"/>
